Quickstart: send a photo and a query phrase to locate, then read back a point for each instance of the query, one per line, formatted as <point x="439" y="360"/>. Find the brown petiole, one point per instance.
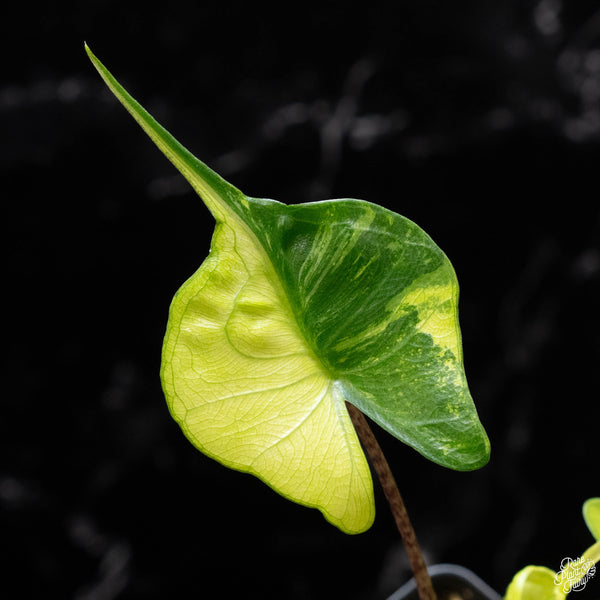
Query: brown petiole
<point x="390" y="489"/>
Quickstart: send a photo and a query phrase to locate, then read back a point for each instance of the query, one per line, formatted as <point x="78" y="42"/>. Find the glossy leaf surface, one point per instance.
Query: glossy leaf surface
<point x="297" y="310"/>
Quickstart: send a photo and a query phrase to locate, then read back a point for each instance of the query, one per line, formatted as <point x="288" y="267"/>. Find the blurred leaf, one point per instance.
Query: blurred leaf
<point x="591" y="515"/>
<point x="534" y="583"/>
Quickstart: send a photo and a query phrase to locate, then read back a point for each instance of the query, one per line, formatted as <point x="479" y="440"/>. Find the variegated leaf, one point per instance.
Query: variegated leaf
<point x="297" y="310"/>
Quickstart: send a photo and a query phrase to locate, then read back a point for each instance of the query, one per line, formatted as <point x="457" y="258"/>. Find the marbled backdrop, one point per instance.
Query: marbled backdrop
<point x="479" y="120"/>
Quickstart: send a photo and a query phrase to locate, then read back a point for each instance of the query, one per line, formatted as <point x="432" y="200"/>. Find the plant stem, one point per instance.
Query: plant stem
<point x="593" y="553"/>
<point x="390" y="489"/>
<point x="577" y="570"/>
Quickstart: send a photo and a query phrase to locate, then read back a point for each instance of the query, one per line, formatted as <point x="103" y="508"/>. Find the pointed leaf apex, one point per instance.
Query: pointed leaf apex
<point x="218" y="195"/>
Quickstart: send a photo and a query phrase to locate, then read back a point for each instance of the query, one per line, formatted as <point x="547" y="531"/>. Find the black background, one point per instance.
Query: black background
<point x="479" y="120"/>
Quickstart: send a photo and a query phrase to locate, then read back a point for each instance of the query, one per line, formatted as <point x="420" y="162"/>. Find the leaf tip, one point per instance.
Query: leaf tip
<point x="91" y="55"/>
<point x="471" y="456"/>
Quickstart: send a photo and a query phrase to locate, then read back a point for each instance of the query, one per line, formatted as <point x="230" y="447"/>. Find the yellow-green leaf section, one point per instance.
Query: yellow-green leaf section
<point x="534" y="583"/>
<point x="248" y="391"/>
<point x="297" y="310"/>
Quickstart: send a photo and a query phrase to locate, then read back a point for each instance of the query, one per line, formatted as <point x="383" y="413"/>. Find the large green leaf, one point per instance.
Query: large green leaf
<point x="297" y="310"/>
